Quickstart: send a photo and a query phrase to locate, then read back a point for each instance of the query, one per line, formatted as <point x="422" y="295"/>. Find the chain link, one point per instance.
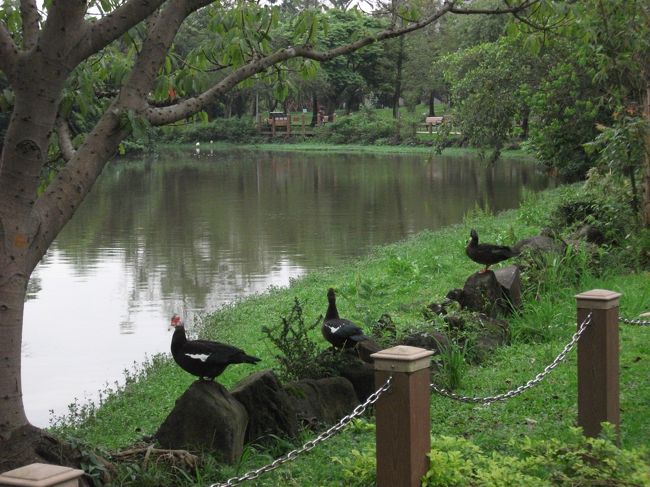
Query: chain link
<point x="634" y="322"/>
<point x="311" y="444"/>
<point x="531" y="383"/>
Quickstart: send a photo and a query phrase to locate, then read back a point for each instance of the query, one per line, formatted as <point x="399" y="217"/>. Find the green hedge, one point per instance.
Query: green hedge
<point x="220" y="129"/>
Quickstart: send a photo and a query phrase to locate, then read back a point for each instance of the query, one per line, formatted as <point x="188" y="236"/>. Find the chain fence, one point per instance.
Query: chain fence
<point x="360" y="409"/>
<point x="528" y="385"/>
<point x="630" y="321"/>
<point x="311" y="444"/>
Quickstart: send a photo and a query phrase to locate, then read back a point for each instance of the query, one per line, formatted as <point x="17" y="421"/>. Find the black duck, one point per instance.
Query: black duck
<point x="203" y="358"/>
<point x="487" y="254"/>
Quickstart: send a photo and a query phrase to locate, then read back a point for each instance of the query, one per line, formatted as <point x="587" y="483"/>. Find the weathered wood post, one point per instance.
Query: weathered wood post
<point x="41" y="475"/>
<point x="402" y="416"/>
<point x="598" y="390"/>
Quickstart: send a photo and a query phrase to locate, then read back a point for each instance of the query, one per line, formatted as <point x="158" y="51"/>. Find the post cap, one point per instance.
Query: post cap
<point x="402" y="358"/>
<point x="39" y="475"/>
<point x="598" y="299"/>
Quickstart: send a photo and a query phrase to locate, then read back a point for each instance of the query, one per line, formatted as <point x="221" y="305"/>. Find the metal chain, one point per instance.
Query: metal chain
<point x="634" y="322"/>
<point x="531" y="383"/>
<point x="311" y="444"/>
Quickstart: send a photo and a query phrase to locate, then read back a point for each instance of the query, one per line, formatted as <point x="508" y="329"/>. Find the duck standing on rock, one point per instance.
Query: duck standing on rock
<point x="204" y="358"/>
<point x="487" y="254"/>
<point x="342" y="333"/>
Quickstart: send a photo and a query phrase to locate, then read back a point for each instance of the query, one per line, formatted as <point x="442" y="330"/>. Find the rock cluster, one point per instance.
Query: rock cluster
<point x="209" y="417"/>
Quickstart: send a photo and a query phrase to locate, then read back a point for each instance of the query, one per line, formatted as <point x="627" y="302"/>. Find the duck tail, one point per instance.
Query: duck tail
<point x="366" y="348"/>
<point x="249" y="359"/>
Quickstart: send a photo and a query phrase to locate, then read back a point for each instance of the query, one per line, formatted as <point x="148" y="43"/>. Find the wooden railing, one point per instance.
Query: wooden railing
<point x="402" y="413"/>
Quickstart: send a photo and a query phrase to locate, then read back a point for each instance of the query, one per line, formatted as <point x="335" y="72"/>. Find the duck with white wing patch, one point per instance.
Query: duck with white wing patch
<point x="203" y="358"/>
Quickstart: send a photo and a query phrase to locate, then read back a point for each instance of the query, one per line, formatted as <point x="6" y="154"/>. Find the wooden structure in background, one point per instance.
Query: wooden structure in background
<point x="288" y="124"/>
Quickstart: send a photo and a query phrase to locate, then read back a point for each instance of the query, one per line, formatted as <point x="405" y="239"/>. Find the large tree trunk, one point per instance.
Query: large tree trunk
<point x="21" y="246"/>
<point x="12" y="297"/>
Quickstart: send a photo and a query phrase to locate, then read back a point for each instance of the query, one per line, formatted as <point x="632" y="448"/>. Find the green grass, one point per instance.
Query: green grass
<point x="401" y="279"/>
<point x="302" y="146"/>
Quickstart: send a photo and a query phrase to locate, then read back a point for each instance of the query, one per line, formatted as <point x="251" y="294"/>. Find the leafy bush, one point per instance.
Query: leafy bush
<point x="299" y="353"/>
<point x="358" y="128"/>
<point x="457" y="462"/>
<point x="366" y="127"/>
<point x="219" y="129"/>
<point x="579" y="462"/>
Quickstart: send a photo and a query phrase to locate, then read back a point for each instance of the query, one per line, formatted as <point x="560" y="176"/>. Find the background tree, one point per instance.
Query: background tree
<point x="605" y="67"/>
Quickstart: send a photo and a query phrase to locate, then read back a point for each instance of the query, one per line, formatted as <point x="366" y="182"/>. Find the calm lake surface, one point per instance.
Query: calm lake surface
<point x="188" y="232"/>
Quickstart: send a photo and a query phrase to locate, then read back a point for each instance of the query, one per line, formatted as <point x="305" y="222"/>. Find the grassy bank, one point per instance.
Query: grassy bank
<point x="401" y="279"/>
<point x="281" y="146"/>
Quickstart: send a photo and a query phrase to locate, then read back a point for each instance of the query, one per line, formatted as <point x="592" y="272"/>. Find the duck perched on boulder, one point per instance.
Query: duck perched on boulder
<point x="342" y="333"/>
<point x="203" y="358"/>
<point x="487" y="254"/>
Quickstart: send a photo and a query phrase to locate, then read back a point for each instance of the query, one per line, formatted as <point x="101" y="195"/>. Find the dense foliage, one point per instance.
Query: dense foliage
<point x="578" y="462"/>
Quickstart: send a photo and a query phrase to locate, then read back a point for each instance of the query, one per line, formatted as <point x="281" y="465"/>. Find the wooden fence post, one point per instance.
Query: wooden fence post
<point x="41" y="475"/>
<point x="598" y="389"/>
<point x="402" y="416"/>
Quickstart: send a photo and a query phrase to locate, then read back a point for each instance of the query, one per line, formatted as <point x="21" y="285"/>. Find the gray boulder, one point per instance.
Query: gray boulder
<point x="492" y="333"/>
<point x="509" y="278"/>
<point x="429" y="340"/>
<point x="590" y="234"/>
<point x="362" y="377"/>
<point x="482" y="293"/>
<point x="270" y="409"/>
<point x="206" y="417"/>
<point x="322" y="400"/>
<point x="540" y="244"/>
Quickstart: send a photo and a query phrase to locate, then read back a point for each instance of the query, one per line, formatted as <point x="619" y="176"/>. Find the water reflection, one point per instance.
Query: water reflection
<point x="188" y="232"/>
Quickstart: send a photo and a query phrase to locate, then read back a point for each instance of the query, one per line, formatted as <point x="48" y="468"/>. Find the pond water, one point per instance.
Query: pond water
<point x="188" y="232"/>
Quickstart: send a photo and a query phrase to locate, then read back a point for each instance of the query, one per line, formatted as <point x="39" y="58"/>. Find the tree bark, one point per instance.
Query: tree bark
<point x="314" y="110"/>
<point x="13" y="289"/>
<point x="646" y="144"/>
<point x="397" y="94"/>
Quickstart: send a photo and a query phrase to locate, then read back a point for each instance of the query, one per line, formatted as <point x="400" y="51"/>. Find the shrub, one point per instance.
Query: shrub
<point x="366" y="127"/>
<point x="579" y="462"/>
<point x="219" y="129"/>
<point x="458" y="462"/>
<point x="299" y="356"/>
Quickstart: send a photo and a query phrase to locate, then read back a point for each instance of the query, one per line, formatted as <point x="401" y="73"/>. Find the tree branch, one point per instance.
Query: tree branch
<point x="30" y="18"/>
<point x="159" y="38"/>
<point x="65" y="193"/>
<point x="8" y="51"/>
<point x="61" y="32"/>
<point x="190" y="106"/>
<point x="98" y="34"/>
<point x="65" y="139"/>
<point x="493" y="11"/>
